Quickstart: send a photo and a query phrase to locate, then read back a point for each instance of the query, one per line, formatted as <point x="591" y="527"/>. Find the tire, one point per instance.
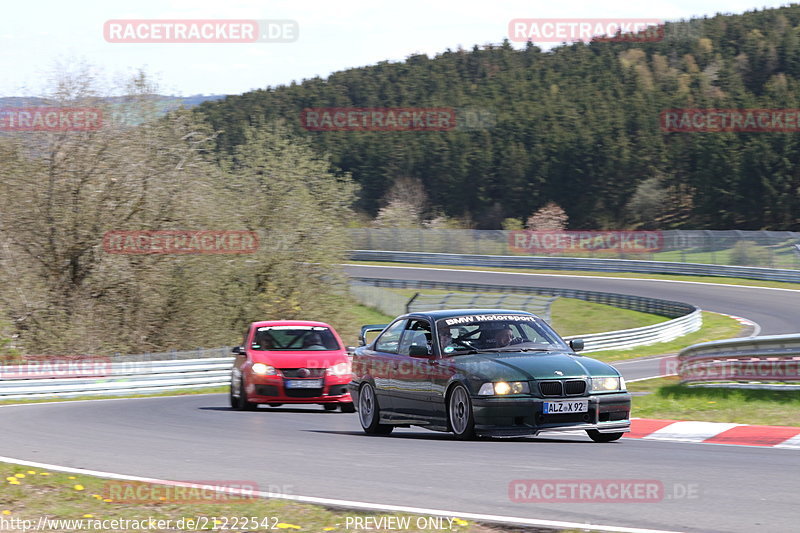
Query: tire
<point x="233" y="400"/>
<point x="369" y="412"/>
<point x="347" y="407"/>
<point x="329" y="406"/>
<point x="603" y="437"/>
<point x="459" y="414"/>
<point x="275" y="404"/>
<point x="242" y="404"/>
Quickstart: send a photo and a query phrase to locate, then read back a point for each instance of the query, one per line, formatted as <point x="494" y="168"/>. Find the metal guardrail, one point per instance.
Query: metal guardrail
<point x="538" y="305"/>
<point x="125" y="377"/>
<point x="773" y="249"/>
<point x="391" y="303"/>
<point x="580" y="263"/>
<point x="686" y="318"/>
<point x="753" y="362"/>
<point x="147" y="373"/>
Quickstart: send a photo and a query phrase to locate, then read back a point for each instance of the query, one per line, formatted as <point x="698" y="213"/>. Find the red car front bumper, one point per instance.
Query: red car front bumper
<point x="274" y="389"/>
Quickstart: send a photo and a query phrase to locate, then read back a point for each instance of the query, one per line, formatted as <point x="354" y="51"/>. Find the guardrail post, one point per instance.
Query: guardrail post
<point x="408" y="304"/>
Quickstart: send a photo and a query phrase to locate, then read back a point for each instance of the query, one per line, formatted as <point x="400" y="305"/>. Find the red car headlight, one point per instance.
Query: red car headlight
<point x="340" y="369"/>
<point x="264" y="370"/>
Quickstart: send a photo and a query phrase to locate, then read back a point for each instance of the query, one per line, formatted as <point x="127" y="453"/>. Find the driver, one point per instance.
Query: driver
<point x="313" y="339"/>
<point x="445" y="339"/>
<point x="503" y="336"/>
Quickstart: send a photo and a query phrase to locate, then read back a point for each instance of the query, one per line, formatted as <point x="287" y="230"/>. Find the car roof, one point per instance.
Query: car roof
<point x="448" y="313"/>
<point x="289" y="323"/>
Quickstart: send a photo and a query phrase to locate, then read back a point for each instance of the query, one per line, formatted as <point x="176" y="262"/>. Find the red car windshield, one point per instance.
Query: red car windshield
<point x="293" y="338"/>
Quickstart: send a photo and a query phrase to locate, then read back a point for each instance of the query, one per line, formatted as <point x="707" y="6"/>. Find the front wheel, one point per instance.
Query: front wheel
<point x="459" y="409"/>
<point x="329" y="406"/>
<point x="603" y="437"/>
<point x="231" y="397"/>
<point x="241" y="402"/>
<point x="369" y="412"/>
<point x="347" y="407"/>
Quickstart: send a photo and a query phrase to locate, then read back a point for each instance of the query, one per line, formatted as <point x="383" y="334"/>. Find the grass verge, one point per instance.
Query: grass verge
<point x="668" y="399"/>
<point x="30" y="493"/>
<point x="631" y="275"/>
<point x="569" y="316"/>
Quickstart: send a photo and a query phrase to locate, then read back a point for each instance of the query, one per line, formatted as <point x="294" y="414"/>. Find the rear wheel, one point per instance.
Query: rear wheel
<point x="242" y="404"/>
<point x="603" y="437"/>
<point x="347" y="407"/>
<point x="329" y="406"/>
<point x="275" y="404"/>
<point x="459" y="409"/>
<point x="369" y="412"/>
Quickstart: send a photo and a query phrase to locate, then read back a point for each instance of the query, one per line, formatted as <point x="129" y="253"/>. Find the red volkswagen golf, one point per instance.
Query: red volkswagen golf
<point x="291" y="361"/>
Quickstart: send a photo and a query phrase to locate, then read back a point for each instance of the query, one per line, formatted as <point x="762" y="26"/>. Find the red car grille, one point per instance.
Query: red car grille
<point x="296" y="372"/>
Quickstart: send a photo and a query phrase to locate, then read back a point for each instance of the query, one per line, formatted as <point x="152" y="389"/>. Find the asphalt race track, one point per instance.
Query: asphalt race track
<point x="310" y="452"/>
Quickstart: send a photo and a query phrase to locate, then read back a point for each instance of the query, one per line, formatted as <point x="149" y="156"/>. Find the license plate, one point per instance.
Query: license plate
<point x="304" y="384"/>
<point x="574" y="406"/>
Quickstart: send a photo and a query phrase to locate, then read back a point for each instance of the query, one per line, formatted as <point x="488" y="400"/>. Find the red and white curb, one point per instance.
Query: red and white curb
<point x="715" y="433"/>
<point x="746" y="323"/>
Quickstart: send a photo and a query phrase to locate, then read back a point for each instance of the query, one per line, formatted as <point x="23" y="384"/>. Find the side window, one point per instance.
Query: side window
<point x="417" y="333"/>
<point x="390" y="338"/>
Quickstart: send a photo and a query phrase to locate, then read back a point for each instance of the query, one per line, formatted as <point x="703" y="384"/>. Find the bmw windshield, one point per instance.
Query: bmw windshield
<point x="502" y="333"/>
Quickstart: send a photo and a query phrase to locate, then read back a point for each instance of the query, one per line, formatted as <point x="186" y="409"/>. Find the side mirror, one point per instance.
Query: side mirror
<point x="576" y="345"/>
<point x="238" y="350"/>
<point x="418" y="351"/>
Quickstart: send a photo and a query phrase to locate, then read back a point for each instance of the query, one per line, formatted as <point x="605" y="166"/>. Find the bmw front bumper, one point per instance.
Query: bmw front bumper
<point x="524" y="416"/>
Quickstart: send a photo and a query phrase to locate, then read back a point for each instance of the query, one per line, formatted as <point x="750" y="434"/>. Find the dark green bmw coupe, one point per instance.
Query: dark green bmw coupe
<point x="484" y="372"/>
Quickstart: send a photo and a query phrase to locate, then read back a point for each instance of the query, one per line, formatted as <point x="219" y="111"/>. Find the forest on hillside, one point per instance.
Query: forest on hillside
<point x="577" y="125"/>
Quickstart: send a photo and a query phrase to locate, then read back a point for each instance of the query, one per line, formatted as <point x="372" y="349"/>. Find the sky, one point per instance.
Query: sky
<point x="37" y="36"/>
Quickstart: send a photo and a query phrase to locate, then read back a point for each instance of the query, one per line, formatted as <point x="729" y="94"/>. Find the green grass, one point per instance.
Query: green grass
<point x="71" y="496"/>
<point x="632" y="275"/>
<point x="578" y="317"/>
<point x="668" y="399"/>
<point x="715" y="327"/>
<point x="569" y="316"/>
<point x="362" y="315"/>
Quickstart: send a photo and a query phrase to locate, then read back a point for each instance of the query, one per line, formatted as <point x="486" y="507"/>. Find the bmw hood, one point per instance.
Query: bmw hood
<point x="523" y="366"/>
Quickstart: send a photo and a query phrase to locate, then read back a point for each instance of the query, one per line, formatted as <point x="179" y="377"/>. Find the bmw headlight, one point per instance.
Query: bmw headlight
<point x="607" y="384"/>
<point x="264" y="370"/>
<point x="501" y="388"/>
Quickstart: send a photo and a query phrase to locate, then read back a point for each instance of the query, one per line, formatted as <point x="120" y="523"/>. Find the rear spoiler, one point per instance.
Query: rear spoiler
<point x="362" y="337"/>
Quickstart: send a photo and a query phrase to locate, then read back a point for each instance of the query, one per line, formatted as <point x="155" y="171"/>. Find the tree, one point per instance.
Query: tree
<point x="548" y="218"/>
